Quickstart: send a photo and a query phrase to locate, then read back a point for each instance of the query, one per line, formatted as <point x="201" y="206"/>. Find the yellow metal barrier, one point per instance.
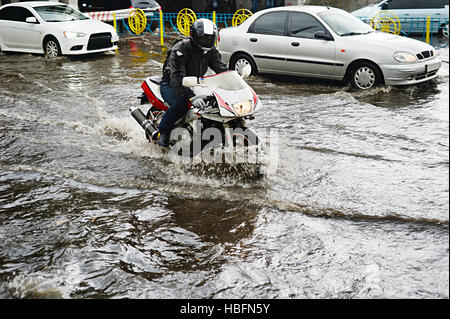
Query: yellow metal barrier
<point x="137" y="21"/>
<point x="386" y="21"/>
<point x="240" y="16"/>
<point x="161" y="27"/>
<point x="115" y="27"/>
<point x="185" y="19"/>
<point x="427" y="36"/>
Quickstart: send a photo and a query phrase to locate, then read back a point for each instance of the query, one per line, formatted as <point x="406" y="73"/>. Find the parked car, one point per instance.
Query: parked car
<point x="325" y="42"/>
<point x="52" y="28"/>
<point x="104" y="10"/>
<point x="112" y="5"/>
<point x="412" y="14"/>
<point x="146" y="5"/>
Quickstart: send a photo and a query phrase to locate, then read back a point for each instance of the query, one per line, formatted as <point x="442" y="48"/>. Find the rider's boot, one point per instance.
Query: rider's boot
<point x="155" y="136"/>
<point x="164" y="139"/>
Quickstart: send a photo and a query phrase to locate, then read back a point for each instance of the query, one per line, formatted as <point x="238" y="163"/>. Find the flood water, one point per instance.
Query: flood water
<point x="357" y="207"/>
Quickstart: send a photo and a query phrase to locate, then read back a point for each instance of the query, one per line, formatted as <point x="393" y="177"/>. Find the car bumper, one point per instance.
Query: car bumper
<point x="80" y="46"/>
<point x="411" y="73"/>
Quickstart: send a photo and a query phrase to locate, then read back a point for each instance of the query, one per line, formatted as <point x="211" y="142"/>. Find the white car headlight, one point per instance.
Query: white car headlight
<point x="73" y="35"/>
<point x="404" y="57"/>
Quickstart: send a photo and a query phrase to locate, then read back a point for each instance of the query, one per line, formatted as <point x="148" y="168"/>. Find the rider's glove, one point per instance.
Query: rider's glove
<point x="197" y="101"/>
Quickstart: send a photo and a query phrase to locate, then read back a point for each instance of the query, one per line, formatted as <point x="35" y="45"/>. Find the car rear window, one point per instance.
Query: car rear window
<point x="8" y="13"/>
<point x="15" y="14"/>
<point x="272" y="23"/>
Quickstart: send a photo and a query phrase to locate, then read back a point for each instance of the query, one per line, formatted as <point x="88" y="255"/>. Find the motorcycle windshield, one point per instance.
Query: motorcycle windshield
<point x="227" y="81"/>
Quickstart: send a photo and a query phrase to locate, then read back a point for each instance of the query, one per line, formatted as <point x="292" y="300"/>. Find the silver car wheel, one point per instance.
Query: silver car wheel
<point x="52" y="49"/>
<point x="365" y="78"/>
<point x="240" y="64"/>
<point x="445" y="31"/>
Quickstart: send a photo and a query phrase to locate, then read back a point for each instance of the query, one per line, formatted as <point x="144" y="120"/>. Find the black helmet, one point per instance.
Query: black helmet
<point x="203" y="34"/>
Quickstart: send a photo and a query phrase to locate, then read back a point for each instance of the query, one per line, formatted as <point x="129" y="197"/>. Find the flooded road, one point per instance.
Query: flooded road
<point x="357" y="207"/>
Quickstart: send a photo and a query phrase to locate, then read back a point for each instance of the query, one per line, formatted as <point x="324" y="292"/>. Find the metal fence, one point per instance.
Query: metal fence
<point x="427" y="28"/>
<point x="166" y="24"/>
<point x="169" y="20"/>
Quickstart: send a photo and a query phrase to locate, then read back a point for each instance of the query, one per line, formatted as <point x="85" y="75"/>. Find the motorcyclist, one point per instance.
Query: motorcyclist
<point x="188" y="57"/>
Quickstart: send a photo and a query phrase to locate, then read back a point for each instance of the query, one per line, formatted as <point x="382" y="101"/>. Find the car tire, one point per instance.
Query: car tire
<point x="239" y="61"/>
<point x="443" y="31"/>
<point x="364" y="76"/>
<point x="51" y="47"/>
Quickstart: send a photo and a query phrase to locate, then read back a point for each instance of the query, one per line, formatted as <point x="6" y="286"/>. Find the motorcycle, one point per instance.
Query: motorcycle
<point x="229" y="102"/>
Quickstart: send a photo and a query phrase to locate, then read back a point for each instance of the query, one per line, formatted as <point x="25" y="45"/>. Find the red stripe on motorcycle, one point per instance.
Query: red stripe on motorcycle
<point x="152" y="98"/>
<point x="222" y="103"/>
<point x="210" y="76"/>
<point x="255" y="98"/>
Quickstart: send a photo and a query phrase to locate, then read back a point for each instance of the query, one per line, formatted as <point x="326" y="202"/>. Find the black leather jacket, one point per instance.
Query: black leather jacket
<point x="185" y="60"/>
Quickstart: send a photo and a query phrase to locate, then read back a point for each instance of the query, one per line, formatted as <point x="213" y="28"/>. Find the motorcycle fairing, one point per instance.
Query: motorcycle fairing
<point x="225" y="109"/>
<point x="151" y="87"/>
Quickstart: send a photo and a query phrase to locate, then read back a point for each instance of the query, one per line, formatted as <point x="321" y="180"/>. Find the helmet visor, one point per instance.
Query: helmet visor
<point x="206" y="41"/>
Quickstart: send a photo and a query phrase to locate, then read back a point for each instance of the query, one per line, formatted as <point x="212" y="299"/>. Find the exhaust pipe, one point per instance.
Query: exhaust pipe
<point x="146" y="124"/>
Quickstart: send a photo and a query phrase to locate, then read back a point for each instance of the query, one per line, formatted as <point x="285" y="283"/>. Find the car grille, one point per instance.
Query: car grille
<point x="99" y="41"/>
<point x="425" y="75"/>
<point x="425" y="55"/>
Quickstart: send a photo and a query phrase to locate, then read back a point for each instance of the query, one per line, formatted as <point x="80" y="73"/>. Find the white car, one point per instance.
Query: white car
<point x="325" y="42"/>
<point x="52" y="28"/>
<point x="411" y="14"/>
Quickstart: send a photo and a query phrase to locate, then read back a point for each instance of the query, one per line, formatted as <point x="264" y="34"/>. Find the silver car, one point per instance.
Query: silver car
<point x="329" y="43"/>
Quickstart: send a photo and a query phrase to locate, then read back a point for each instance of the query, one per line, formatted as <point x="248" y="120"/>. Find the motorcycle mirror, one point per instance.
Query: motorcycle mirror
<point x="190" y="81"/>
<point x="246" y="71"/>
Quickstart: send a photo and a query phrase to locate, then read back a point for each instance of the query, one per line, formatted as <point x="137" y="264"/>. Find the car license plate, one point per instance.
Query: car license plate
<point x="432" y="67"/>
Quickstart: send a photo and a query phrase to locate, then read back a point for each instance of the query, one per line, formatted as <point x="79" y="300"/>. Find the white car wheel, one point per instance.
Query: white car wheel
<point x="365" y="78"/>
<point x="444" y="31"/>
<point x="240" y="61"/>
<point x="52" y="48"/>
<point x="240" y="64"/>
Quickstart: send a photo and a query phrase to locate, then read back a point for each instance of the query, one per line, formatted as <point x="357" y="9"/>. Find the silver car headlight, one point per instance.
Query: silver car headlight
<point x="404" y="57"/>
<point x="73" y="35"/>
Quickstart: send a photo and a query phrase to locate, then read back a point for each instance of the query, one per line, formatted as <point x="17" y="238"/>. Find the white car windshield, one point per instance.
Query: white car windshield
<point x="228" y="81"/>
<point x="59" y="13"/>
<point x="345" y="24"/>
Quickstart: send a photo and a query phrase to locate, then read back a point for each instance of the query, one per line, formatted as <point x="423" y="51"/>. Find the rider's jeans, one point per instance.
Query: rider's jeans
<point x="178" y="108"/>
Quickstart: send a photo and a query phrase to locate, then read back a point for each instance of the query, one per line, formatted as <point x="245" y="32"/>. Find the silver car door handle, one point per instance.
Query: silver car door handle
<point x="253" y="39"/>
<point x="295" y="44"/>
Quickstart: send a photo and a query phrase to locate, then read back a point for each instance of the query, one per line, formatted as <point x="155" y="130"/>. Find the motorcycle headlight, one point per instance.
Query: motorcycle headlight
<point x="404" y="57"/>
<point x="243" y="108"/>
<point x="73" y="35"/>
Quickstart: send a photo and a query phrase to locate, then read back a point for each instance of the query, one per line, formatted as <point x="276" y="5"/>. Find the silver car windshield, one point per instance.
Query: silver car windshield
<point x="345" y="24"/>
<point x="59" y="13"/>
